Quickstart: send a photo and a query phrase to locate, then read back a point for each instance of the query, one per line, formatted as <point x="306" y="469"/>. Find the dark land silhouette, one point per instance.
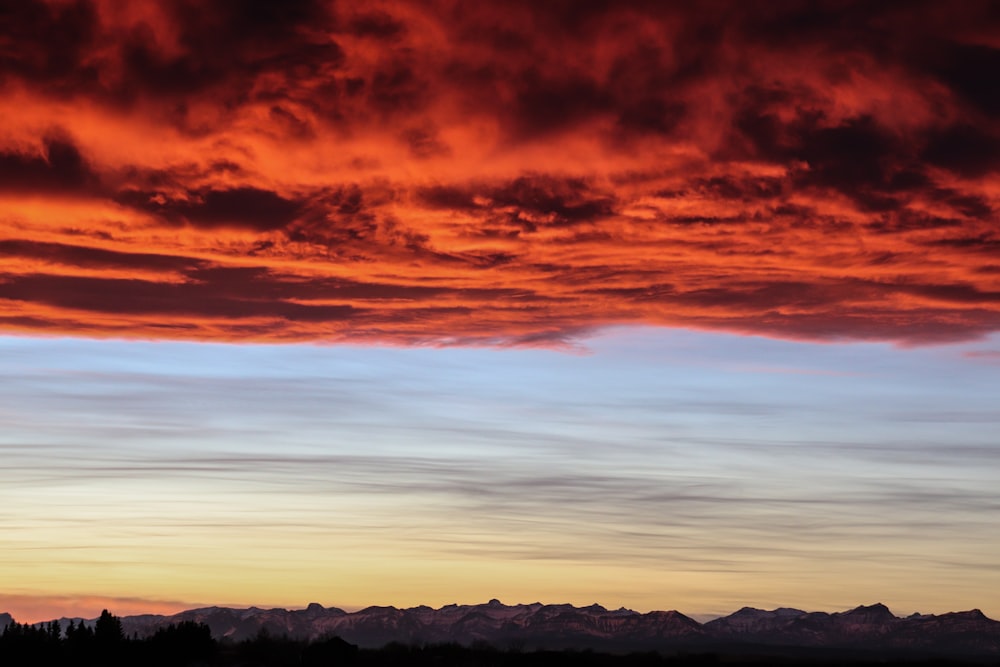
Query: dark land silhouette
<point x="498" y="635"/>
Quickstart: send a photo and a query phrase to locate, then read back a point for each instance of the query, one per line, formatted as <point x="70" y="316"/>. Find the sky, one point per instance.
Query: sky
<point x="665" y="305"/>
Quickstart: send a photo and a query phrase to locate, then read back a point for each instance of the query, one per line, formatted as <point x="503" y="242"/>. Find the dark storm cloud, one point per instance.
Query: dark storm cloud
<point x="59" y="169"/>
<point x="47" y="42"/>
<point x="964" y="149"/>
<point x="218" y="299"/>
<point x="85" y="257"/>
<point x="246" y="207"/>
<point x="527" y="200"/>
<point x="965" y="67"/>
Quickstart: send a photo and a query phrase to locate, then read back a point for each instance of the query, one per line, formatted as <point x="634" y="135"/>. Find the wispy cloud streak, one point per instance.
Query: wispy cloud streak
<point x="342" y="466"/>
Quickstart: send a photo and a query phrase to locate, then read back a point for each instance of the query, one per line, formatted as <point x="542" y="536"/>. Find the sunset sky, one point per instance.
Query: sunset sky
<point x="669" y="305"/>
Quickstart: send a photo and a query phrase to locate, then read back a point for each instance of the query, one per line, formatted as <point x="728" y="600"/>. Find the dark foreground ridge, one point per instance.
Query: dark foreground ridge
<point x="491" y="633"/>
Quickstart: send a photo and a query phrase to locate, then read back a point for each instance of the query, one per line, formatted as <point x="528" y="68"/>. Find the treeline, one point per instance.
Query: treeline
<point x="105" y="644"/>
<point x="190" y="644"/>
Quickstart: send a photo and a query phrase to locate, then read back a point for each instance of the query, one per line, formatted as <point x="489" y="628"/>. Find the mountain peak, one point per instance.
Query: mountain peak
<point x="874" y="612"/>
<point x="972" y="615"/>
<point x="673" y="615"/>
<point x="375" y="608"/>
<point x="788" y="611"/>
<point x="494" y="603"/>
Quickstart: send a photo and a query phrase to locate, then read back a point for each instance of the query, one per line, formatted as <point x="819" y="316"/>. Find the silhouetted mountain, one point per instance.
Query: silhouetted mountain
<point x="5" y="620"/>
<point x="872" y="628"/>
<point x="866" y="627"/>
<point x="752" y="622"/>
<point x="535" y="625"/>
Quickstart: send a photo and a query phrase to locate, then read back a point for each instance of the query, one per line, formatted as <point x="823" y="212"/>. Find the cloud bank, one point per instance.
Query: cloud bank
<point x="437" y="173"/>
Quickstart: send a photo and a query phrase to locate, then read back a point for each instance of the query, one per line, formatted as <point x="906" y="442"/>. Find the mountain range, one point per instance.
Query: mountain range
<point x="871" y="628"/>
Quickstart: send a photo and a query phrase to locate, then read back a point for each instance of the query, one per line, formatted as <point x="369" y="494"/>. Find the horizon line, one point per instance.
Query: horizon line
<point x="700" y="617"/>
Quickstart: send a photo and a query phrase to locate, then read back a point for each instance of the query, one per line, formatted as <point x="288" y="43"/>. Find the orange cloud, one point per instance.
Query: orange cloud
<point x="428" y="173"/>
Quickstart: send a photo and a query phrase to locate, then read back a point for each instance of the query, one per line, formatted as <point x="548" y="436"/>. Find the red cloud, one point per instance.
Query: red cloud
<point x="429" y="173"/>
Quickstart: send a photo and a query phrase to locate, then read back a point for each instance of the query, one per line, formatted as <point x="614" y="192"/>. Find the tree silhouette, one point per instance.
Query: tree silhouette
<point x="108" y="629"/>
<point x="184" y="643"/>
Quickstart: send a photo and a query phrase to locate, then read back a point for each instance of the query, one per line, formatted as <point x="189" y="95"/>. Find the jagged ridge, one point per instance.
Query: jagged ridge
<point x="538" y="625"/>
